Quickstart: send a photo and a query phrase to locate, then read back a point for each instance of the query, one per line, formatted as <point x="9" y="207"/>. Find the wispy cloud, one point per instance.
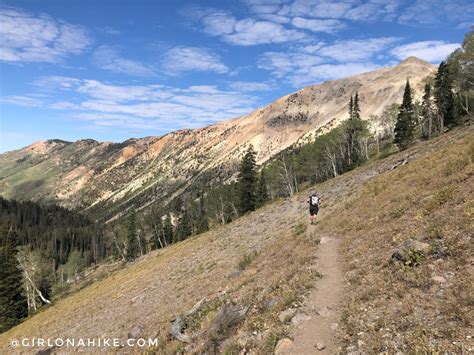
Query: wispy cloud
<point x="318" y="25"/>
<point x="21" y="101"/>
<point x="250" y="86"/>
<point x="356" y="50"/>
<point x="431" y="12"/>
<point x="299" y="69"/>
<point x="109" y="58"/>
<point x="26" y="37"/>
<point x="151" y="105"/>
<point x="182" y="59"/>
<point x="431" y="51"/>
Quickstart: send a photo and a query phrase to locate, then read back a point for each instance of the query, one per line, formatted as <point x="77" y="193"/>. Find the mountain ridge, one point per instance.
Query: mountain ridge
<point x="116" y="177"/>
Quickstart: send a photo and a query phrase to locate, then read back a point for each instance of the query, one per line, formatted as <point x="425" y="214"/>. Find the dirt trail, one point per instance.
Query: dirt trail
<point x="317" y="333"/>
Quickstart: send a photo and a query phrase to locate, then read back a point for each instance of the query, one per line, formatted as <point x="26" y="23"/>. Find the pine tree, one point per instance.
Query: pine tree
<point x="202" y="224"/>
<point x="351" y="108"/>
<point x="167" y="230"/>
<point x="356" y="108"/>
<point x="133" y="249"/>
<point x="185" y="226"/>
<point x="353" y="129"/>
<point x="13" y="305"/>
<point x="444" y="96"/>
<point x="262" y="190"/>
<point x="247" y="181"/>
<point x="405" y="126"/>
<point x="427" y="114"/>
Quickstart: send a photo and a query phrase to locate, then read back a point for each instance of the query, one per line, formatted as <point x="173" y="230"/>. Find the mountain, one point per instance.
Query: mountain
<point x="268" y="266"/>
<point x="108" y="179"/>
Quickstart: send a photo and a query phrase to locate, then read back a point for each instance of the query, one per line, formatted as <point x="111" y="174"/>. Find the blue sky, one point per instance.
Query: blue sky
<point x="111" y="70"/>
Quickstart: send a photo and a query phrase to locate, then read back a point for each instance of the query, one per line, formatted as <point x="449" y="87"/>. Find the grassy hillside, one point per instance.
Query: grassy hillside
<point x="266" y="261"/>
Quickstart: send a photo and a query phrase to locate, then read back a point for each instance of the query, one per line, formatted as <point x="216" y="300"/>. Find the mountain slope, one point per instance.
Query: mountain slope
<point x="107" y="179"/>
<point x="266" y="260"/>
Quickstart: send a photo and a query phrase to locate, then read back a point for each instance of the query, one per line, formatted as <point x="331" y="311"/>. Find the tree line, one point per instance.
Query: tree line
<point x="41" y="247"/>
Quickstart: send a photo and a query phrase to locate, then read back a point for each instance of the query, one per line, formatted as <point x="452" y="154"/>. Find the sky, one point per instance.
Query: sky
<point x="111" y="70"/>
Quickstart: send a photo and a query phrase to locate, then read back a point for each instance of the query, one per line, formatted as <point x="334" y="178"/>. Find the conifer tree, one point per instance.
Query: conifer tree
<point x="202" y="224"/>
<point x="405" y="126"/>
<point x="444" y="96"/>
<point x="354" y="128"/>
<point x="185" y="226"/>
<point x="427" y="114"/>
<point x="351" y="108"/>
<point x="356" y="108"/>
<point x="248" y="181"/>
<point x="133" y="249"/>
<point x="13" y="305"/>
<point x="262" y="191"/>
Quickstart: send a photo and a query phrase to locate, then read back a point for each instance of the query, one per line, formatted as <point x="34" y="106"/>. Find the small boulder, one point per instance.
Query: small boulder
<point x="283" y="346"/>
<point x="325" y="311"/>
<point x="299" y="317"/>
<point x="320" y="346"/>
<point x="438" y="279"/>
<point x="287" y="315"/>
<point x="234" y="274"/>
<point x="403" y="252"/>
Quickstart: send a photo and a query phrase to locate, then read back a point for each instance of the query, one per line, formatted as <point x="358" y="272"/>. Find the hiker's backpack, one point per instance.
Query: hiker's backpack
<point x="314" y="200"/>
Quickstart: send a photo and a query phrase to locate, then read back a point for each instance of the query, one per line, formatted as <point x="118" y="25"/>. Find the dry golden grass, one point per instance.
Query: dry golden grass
<point x="394" y="306"/>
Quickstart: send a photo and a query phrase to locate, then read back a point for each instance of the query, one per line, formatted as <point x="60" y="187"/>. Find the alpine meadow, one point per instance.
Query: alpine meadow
<point x="246" y="177"/>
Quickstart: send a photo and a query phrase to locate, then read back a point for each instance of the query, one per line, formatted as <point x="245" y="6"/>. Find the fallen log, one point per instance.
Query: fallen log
<point x="226" y="317"/>
<point x="176" y="330"/>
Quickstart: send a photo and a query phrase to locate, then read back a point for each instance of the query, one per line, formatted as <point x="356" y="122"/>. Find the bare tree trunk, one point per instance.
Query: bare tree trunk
<point x="158" y="235"/>
<point x="465" y="106"/>
<point x="332" y="159"/>
<point x="45" y="300"/>
<point x="222" y="214"/>
<point x="117" y="245"/>
<point x="288" y="180"/>
<point x="139" y="240"/>
<point x="236" y="212"/>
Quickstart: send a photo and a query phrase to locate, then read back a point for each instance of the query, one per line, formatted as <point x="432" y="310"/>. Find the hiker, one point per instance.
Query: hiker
<point x="313" y="201"/>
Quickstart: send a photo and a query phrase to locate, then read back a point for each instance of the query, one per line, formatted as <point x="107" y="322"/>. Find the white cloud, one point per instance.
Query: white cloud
<point x="356" y="50"/>
<point x="431" y="51"/>
<point x="218" y="23"/>
<point x="151" y="105"/>
<point x="317" y="25"/>
<point x="336" y="71"/>
<point x="249" y="86"/>
<point x="25" y="37"/>
<point x="287" y="65"/>
<point x="55" y="82"/>
<point x="301" y="69"/>
<point x="108" y="58"/>
<point x="346" y="9"/>
<point x="101" y="91"/>
<point x="63" y="105"/>
<point x="432" y="12"/>
<point x="182" y="59"/>
<point x="21" y="101"/>
<point x="248" y="31"/>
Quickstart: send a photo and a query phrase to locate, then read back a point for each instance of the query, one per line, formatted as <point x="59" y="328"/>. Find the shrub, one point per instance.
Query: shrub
<point x="247" y="260"/>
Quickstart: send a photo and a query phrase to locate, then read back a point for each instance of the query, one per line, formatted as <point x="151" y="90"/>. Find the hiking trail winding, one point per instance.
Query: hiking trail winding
<point x="316" y="333"/>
